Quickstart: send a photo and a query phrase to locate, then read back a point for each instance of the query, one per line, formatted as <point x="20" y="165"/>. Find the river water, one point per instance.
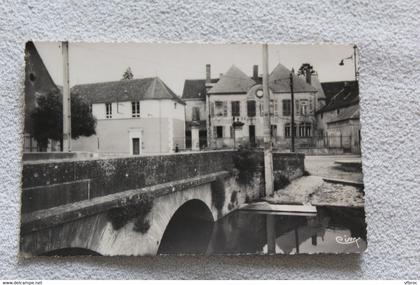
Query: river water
<point x="331" y="230"/>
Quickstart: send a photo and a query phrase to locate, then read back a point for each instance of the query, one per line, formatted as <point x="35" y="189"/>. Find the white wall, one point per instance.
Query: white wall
<point x="148" y="109"/>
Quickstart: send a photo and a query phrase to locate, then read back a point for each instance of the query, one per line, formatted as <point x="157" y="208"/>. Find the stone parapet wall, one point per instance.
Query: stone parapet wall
<point x="44" y="180"/>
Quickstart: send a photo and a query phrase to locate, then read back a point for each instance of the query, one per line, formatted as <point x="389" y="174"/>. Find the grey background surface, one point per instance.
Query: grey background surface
<point x="387" y="33"/>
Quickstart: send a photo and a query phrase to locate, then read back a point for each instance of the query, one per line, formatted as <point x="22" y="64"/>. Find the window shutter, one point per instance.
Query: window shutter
<point x="225" y="109"/>
<point x="276" y="112"/>
<point x="212" y="109"/>
<point x="297" y="107"/>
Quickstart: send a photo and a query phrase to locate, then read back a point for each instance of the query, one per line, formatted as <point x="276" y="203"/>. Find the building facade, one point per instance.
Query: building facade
<point x="134" y="117"/>
<point x="237" y="97"/>
<point x="196" y="114"/>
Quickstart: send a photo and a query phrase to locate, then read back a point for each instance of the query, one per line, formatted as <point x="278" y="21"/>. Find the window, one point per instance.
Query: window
<point x="273" y="107"/>
<point x="219" y="132"/>
<point x="305" y="130"/>
<point x="297" y="107"/>
<point x="286" y="107"/>
<point x="287" y="133"/>
<point x="308" y="130"/>
<point x="219" y="108"/>
<point x="225" y="109"/>
<point x="287" y="130"/>
<point x="311" y="107"/>
<point x="236" y="111"/>
<point x="175" y="104"/>
<point x="273" y="130"/>
<point x="301" y="130"/>
<point x="196" y="113"/>
<point x="108" y="110"/>
<point x="251" y="108"/>
<point x="135" y="109"/>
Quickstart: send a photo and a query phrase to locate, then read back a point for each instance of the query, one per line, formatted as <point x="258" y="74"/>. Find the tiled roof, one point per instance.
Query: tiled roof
<point x="332" y="88"/>
<point x="126" y="90"/>
<point x="347" y="95"/>
<point x="233" y="81"/>
<point x="195" y="88"/>
<point x="317" y="84"/>
<point x="279" y="81"/>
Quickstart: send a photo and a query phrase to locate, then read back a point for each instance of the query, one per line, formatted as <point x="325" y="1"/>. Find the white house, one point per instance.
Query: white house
<point x="137" y="116"/>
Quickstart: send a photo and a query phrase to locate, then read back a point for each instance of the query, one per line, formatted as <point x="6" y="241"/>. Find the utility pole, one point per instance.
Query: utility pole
<point x="268" y="148"/>
<point x="66" y="99"/>
<point x="354" y="59"/>
<point x="292" y="113"/>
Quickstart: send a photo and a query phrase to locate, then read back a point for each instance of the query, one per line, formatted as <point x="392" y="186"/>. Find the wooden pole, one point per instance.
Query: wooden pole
<point x="66" y="99"/>
<point x="292" y="103"/>
<point x="268" y="148"/>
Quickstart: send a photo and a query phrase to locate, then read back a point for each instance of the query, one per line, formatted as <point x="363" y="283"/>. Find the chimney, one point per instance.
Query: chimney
<point x="208" y="74"/>
<point x="255" y="72"/>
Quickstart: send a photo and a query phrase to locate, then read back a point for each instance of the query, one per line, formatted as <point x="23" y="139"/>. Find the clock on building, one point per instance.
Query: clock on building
<point x="259" y="93"/>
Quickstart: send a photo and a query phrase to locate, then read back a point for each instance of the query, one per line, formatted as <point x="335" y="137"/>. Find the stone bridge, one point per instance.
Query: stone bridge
<point x="122" y="206"/>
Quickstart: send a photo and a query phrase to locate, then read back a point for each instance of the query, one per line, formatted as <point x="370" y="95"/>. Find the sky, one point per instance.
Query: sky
<point x="173" y="63"/>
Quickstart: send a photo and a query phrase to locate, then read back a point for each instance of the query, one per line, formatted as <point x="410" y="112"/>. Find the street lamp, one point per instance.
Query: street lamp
<point x="352" y="57"/>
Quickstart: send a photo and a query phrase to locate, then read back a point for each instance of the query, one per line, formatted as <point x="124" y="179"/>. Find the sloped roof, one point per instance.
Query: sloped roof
<point x="195" y="88"/>
<point x="351" y="112"/>
<point x="233" y="81"/>
<point x="126" y="90"/>
<point x="279" y="81"/>
<point x="37" y="81"/>
<point x="347" y="96"/>
<point x="317" y="84"/>
<point x="332" y="88"/>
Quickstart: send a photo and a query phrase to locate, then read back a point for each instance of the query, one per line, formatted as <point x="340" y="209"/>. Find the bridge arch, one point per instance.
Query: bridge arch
<point x="189" y="229"/>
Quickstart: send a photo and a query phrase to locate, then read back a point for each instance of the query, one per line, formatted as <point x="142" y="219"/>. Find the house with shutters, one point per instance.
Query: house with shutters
<point x="134" y="117"/>
<point x="237" y="97"/>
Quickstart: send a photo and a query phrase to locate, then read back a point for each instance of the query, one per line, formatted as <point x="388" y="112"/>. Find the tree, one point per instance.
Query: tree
<point x="47" y="118"/>
<point x="128" y="74"/>
<point x="304" y="68"/>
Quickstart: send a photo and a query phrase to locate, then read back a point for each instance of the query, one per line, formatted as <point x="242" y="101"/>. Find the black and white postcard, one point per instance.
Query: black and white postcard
<point x="140" y="149"/>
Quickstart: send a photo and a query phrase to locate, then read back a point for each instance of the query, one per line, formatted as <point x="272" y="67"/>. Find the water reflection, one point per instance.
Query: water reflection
<point x="249" y="232"/>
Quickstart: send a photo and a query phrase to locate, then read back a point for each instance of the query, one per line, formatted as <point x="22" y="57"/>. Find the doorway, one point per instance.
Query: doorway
<point x="135" y="142"/>
<point x="136" y="146"/>
<point x="252" y="135"/>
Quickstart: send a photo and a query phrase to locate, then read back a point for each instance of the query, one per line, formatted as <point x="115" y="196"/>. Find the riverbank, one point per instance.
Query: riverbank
<point x="313" y="190"/>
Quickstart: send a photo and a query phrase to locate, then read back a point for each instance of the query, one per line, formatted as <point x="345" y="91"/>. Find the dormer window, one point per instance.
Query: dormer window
<point x="135" y="109"/>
